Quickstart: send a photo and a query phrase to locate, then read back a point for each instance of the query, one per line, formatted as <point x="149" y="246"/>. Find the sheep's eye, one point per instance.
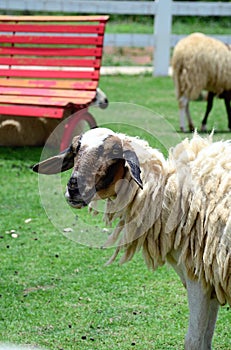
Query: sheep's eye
<point x="116" y="151"/>
<point x="78" y="146"/>
<point x="76" y="149"/>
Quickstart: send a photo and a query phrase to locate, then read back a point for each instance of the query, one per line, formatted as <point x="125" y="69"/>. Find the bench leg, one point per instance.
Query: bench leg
<point x="81" y="115"/>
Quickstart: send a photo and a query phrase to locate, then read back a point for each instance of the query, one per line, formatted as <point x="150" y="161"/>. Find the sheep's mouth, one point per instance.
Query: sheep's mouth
<point x="77" y="204"/>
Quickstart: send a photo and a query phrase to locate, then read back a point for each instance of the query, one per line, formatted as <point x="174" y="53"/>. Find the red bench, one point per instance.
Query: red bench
<point x="50" y="65"/>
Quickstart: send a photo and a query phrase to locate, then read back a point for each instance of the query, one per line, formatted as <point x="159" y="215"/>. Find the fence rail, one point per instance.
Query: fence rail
<point x="89" y="6"/>
<point x="118" y="7"/>
<point x="162" y="10"/>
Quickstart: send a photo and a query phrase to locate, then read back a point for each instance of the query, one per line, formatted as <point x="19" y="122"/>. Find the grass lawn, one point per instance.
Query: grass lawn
<point x="56" y="293"/>
<point x="180" y="24"/>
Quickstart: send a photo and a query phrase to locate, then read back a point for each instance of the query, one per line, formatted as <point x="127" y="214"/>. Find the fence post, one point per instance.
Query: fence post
<point x="162" y="37"/>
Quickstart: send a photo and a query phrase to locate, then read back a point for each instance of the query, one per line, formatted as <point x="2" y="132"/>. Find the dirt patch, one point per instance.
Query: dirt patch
<point x="128" y="56"/>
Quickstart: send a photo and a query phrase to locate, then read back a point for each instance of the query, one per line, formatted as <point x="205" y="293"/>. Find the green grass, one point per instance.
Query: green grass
<point x="158" y="95"/>
<point x="207" y="25"/>
<point x="180" y="25"/>
<point x="56" y="293"/>
<point x="122" y="56"/>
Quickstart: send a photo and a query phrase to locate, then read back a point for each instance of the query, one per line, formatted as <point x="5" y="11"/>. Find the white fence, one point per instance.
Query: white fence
<point x="163" y="10"/>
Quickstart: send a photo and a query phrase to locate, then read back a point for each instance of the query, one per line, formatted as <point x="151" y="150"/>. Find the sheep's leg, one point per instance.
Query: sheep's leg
<point x="213" y="310"/>
<point x="208" y="110"/>
<point x="184" y="111"/>
<point x="199" y="306"/>
<point x="190" y="123"/>
<point x="228" y="110"/>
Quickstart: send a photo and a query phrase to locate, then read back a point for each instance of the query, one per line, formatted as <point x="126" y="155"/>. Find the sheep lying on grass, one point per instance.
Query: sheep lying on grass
<point x="24" y="131"/>
<point x="175" y="210"/>
<point x="100" y="99"/>
<point x="201" y="63"/>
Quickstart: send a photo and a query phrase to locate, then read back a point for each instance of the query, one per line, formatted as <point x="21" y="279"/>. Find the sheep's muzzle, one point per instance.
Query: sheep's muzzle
<point x="73" y="195"/>
<point x="82" y="188"/>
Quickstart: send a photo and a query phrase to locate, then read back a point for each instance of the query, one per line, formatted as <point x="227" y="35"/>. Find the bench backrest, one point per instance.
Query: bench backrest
<point x="48" y="48"/>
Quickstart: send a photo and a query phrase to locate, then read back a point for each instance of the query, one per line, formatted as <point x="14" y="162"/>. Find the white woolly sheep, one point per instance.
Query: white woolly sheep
<point x="175" y="210"/>
<point x="201" y="63"/>
<point x="23" y="131"/>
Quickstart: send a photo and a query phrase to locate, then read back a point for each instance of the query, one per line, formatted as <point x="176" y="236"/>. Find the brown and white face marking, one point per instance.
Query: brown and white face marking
<point x="98" y="165"/>
<point x="99" y="160"/>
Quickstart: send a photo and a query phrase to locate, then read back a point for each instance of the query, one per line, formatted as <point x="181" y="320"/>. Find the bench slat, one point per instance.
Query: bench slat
<point x="52" y="62"/>
<point x="43" y="100"/>
<point x="57" y="84"/>
<point x="93" y="75"/>
<point x="32" y="111"/>
<point x="46" y="92"/>
<point x="13" y="18"/>
<point x="47" y="62"/>
<point x="56" y="52"/>
<point x="49" y="28"/>
<point x="52" y="40"/>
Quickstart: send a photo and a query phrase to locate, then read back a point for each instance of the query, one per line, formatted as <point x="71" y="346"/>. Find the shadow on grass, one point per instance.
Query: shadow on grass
<point x="27" y="154"/>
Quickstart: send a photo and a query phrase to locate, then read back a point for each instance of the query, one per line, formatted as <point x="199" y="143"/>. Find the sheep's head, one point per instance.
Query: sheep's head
<point x="99" y="159"/>
<point x="100" y="99"/>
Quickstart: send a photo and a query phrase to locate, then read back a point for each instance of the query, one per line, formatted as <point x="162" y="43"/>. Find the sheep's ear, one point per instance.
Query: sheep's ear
<point x="56" y="164"/>
<point x="132" y="162"/>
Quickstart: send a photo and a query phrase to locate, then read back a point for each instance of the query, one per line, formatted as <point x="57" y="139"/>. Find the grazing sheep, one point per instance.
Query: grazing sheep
<point x="201" y="63"/>
<point x="24" y="131"/>
<point x="175" y="210"/>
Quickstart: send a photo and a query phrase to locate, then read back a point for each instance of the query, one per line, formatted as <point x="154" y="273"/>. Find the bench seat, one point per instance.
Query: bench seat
<point x="48" y="63"/>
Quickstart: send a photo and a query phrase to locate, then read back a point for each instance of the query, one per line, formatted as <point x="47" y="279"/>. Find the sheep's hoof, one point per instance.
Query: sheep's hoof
<point x="191" y="128"/>
<point x="203" y="128"/>
<point x="182" y="129"/>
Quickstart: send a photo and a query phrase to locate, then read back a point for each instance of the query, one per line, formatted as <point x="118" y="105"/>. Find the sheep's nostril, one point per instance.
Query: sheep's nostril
<point x="73" y="187"/>
<point x="72" y="183"/>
